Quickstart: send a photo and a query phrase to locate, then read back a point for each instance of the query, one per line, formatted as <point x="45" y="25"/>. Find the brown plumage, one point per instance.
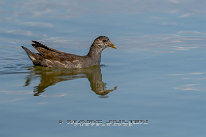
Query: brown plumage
<point x="49" y="57"/>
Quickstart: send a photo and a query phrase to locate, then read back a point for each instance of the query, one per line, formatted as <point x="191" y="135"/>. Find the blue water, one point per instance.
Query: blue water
<point x="156" y="74"/>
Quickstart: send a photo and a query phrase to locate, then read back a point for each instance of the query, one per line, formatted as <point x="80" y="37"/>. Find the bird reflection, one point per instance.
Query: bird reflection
<point x="50" y="77"/>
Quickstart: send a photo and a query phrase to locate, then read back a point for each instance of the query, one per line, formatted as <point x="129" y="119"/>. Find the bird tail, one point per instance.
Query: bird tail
<point x="36" y="58"/>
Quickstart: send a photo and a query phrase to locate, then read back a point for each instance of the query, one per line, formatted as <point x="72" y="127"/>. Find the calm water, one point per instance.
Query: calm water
<point x="158" y="72"/>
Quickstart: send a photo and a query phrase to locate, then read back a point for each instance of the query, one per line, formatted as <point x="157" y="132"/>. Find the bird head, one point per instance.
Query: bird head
<point x="103" y="42"/>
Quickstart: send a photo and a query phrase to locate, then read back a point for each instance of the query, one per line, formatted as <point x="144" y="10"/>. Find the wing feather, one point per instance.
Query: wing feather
<point x="52" y="54"/>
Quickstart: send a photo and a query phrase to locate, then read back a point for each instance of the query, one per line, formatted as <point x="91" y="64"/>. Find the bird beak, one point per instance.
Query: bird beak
<point x="112" y="45"/>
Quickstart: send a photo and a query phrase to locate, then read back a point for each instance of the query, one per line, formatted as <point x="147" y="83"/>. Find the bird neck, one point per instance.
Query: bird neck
<point x="95" y="54"/>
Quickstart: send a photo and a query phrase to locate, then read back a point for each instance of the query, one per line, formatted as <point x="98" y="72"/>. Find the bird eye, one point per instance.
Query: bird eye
<point x="104" y="40"/>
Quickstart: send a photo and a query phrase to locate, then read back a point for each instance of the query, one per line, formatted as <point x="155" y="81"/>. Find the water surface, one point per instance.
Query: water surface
<point x="156" y="74"/>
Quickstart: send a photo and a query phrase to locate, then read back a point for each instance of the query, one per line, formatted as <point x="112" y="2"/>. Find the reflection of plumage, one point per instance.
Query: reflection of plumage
<point x="49" y="57"/>
<point x="50" y="77"/>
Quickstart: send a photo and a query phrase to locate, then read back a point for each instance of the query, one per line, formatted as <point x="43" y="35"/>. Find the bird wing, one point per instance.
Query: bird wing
<point x="44" y="49"/>
<point x="50" y="53"/>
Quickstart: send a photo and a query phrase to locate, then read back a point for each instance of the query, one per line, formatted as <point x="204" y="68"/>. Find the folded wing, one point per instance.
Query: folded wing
<point x="52" y="54"/>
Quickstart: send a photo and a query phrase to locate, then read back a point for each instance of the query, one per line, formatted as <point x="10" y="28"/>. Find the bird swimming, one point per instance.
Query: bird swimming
<point x="49" y="57"/>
